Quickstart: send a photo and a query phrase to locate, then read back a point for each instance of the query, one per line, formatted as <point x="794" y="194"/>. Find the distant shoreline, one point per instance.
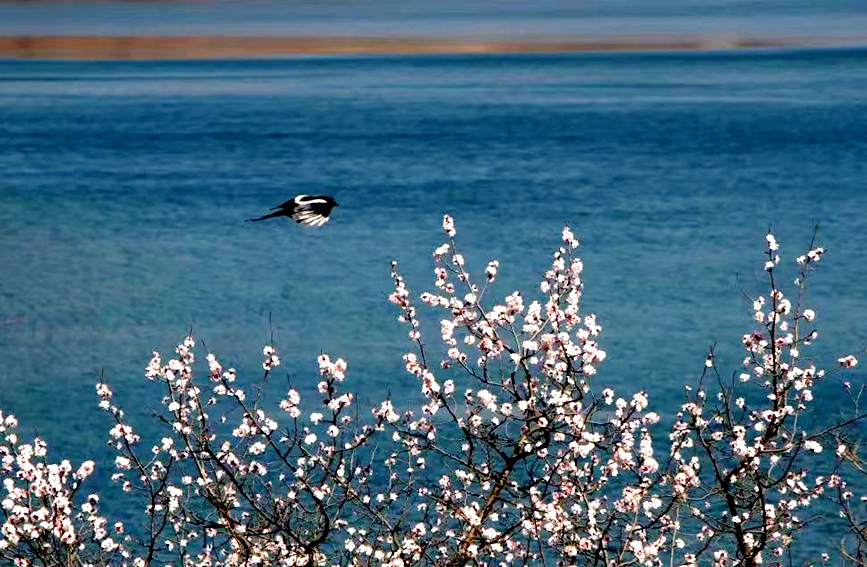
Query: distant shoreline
<point x="94" y="47"/>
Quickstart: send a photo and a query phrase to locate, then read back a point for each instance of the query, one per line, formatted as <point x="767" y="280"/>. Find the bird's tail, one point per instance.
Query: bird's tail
<point x="272" y="215"/>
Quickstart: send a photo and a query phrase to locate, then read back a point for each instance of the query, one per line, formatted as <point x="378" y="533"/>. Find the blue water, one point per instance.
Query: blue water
<point x="793" y="18"/>
<point x="124" y="189"/>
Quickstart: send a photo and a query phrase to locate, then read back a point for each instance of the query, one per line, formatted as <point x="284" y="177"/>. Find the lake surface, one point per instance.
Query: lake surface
<point x="793" y="18"/>
<point x="124" y="189"/>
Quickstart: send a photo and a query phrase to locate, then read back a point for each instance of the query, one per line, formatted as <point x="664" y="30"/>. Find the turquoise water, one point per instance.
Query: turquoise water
<point x="124" y="189"/>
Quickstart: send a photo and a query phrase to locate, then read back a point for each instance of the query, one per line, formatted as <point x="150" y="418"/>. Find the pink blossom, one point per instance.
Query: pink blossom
<point x="449" y="226"/>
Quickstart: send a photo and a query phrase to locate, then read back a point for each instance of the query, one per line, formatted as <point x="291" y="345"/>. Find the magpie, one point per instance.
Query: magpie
<point x="309" y="210"/>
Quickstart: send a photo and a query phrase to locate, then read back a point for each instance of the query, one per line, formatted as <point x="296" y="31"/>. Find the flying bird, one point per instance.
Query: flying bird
<point x="309" y="210"/>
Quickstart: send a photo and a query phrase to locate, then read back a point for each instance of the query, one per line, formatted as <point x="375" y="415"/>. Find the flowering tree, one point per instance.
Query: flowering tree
<point x="513" y="457"/>
<point x="755" y="438"/>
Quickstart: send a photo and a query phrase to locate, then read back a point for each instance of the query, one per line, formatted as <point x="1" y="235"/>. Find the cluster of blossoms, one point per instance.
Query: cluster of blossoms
<point x="541" y="466"/>
<point x="514" y="456"/>
<point x="46" y="515"/>
<point x="754" y="445"/>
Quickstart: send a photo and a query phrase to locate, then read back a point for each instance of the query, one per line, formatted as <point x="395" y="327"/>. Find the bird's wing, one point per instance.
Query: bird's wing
<point x="310" y="218"/>
<point x="311" y="211"/>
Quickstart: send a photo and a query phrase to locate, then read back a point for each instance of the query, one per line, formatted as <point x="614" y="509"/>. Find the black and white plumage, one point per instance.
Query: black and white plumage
<point x="309" y="210"/>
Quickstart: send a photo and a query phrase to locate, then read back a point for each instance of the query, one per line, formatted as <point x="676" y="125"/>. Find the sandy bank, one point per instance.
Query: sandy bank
<point x="214" y="47"/>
